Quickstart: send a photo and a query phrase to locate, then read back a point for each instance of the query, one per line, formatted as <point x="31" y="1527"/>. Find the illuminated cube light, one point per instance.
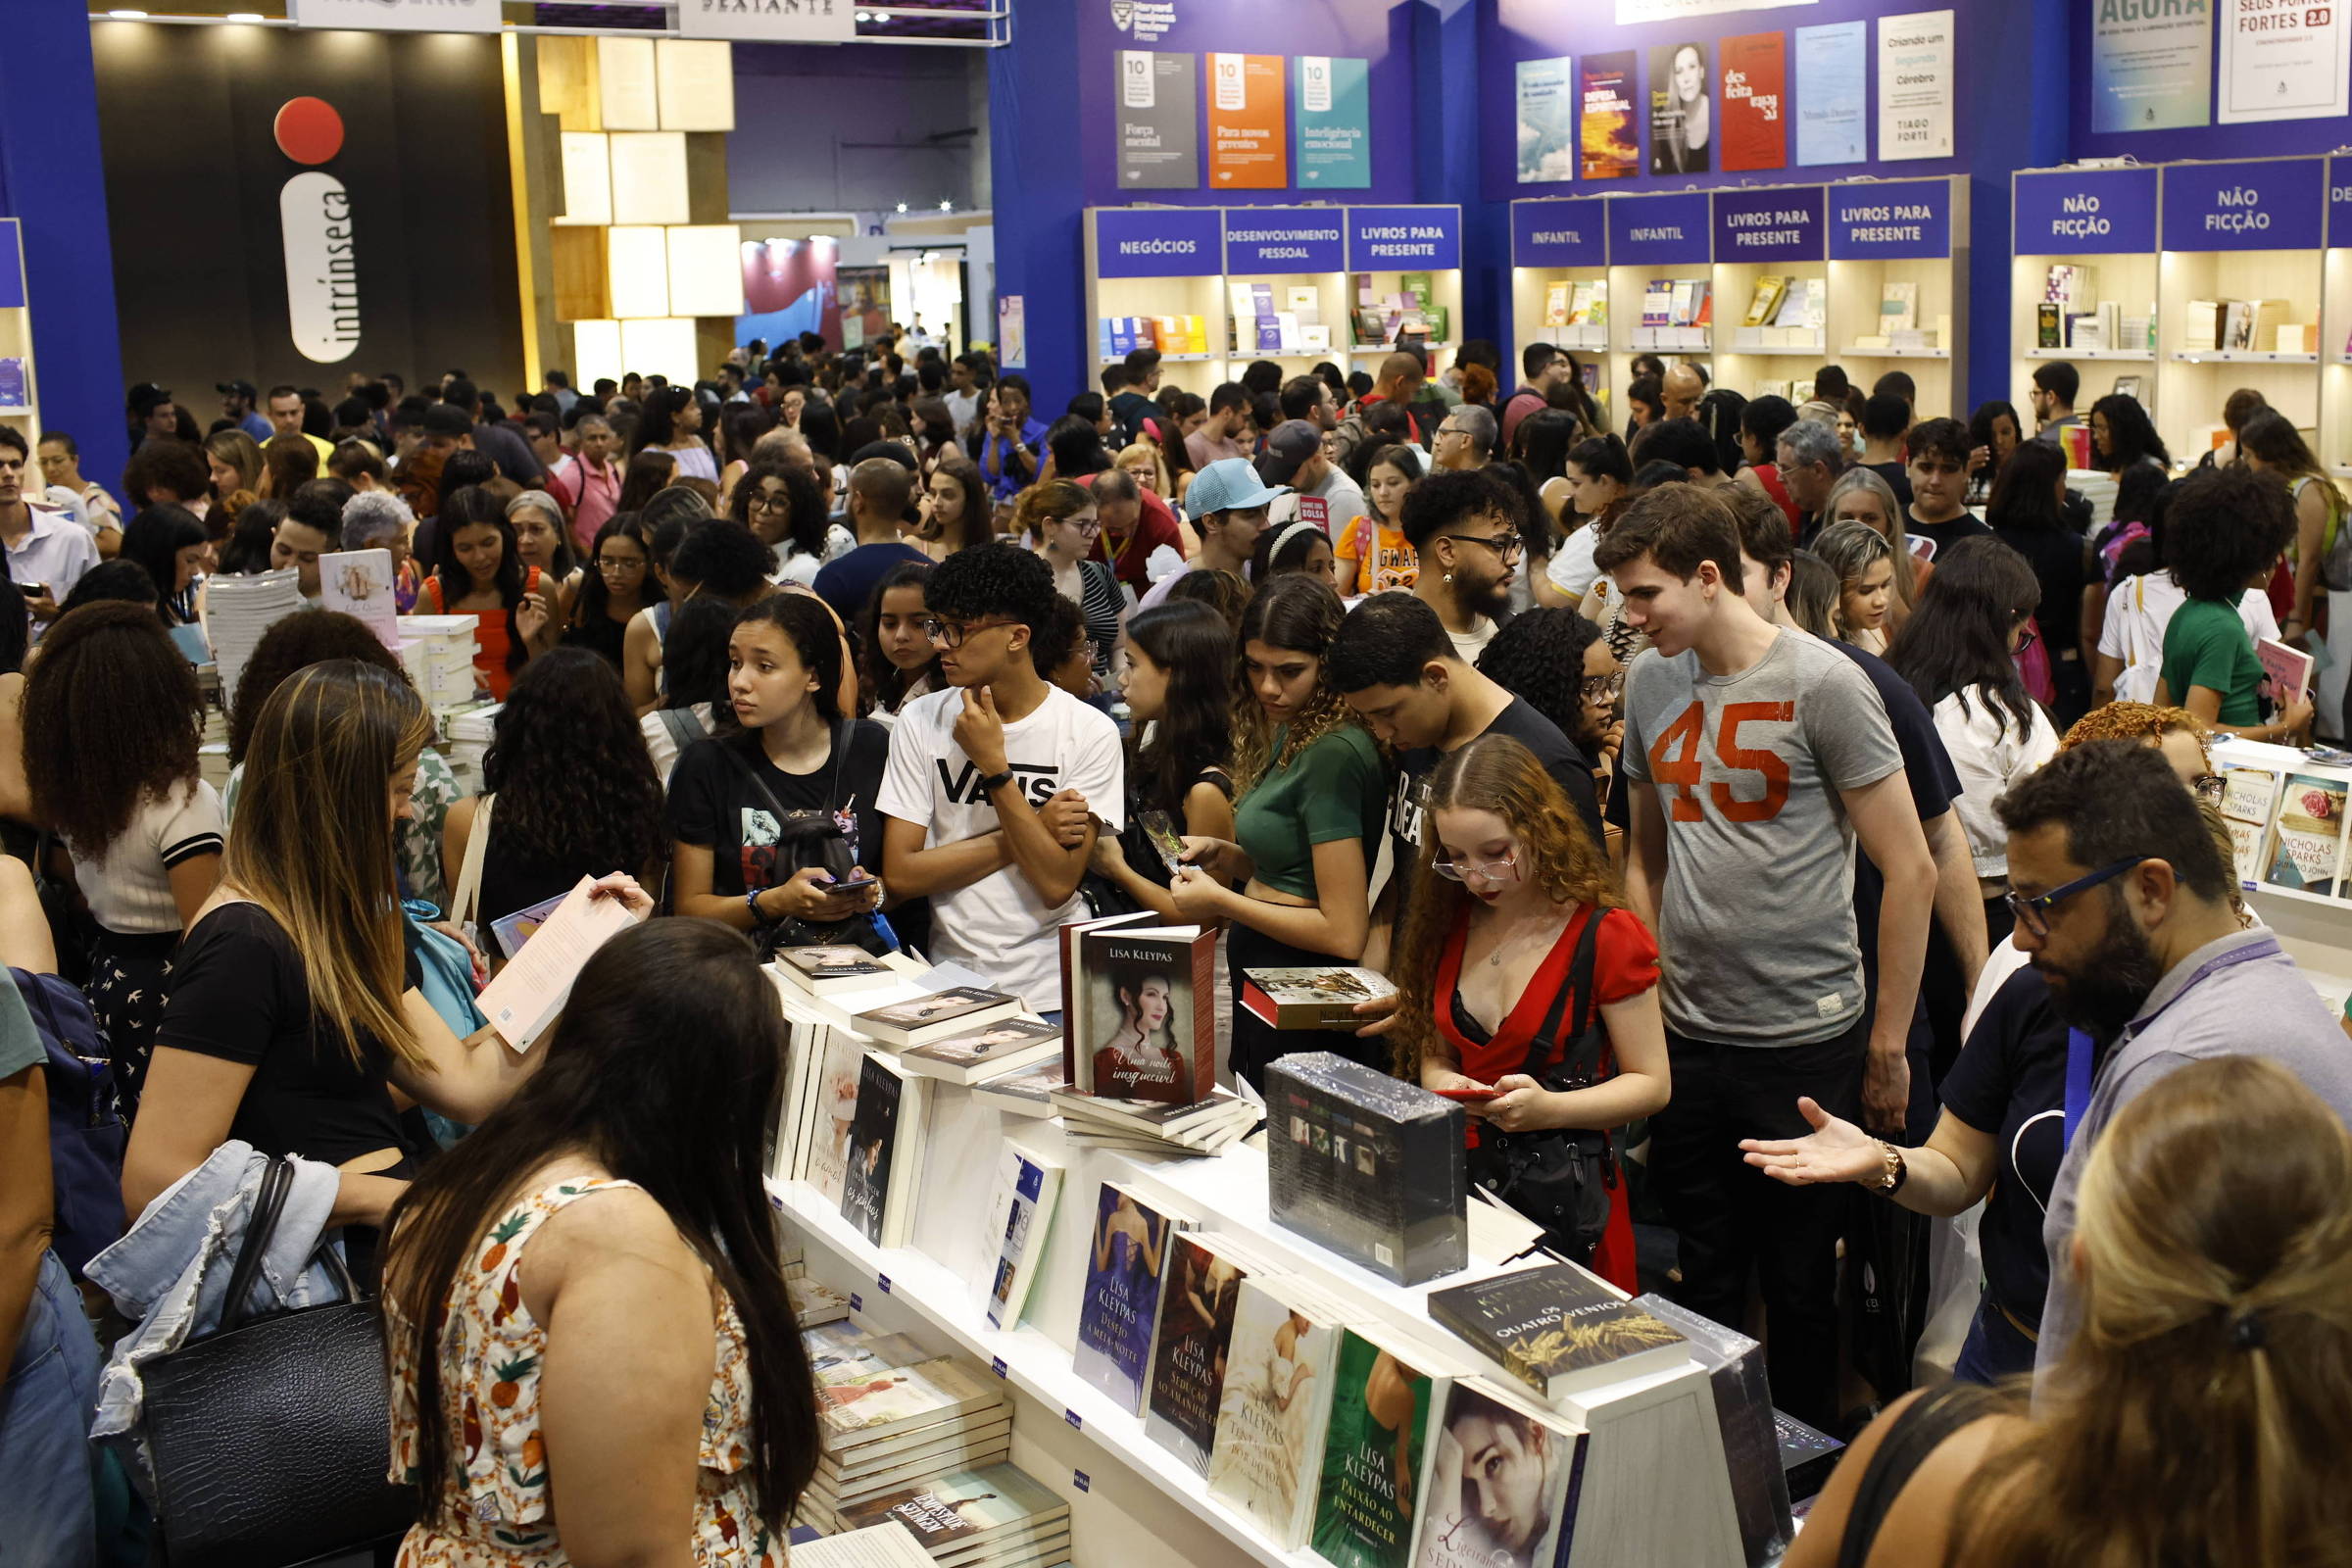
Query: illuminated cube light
<point x="637" y="271"/>
<point x="696" y="81"/>
<point x="706" y="269"/>
<point x="627" y="95"/>
<point x="587" y="178"/>
<point x="649" y="177"/>
<point x="663" y="346"/>
<point x="596" y="350"/>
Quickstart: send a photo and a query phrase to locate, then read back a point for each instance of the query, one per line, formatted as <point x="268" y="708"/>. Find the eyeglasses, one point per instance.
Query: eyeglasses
<point x="1085" y="525"/>
<point x="2209" y="786"/>
<point x="1505" y="544"/>
<point x="952" y="633"/>
<point x="1506" y="869"/>
<point x="1603" y="688"/>
<point x="619" y="563"/>
<point x="2027" y="637"/>
<point x="2034" y="914"/>
<point x="772" y="501"/>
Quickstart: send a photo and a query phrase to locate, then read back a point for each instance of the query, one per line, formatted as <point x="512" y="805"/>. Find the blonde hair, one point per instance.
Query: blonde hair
<point x="1145" y="452"/>
<point x="1873" y="483"/>
<point x="311" y="846"/>
<point x="1491" y="773"/>
<point x="1852" y="549"/>
<point x="2189" y="1420"/>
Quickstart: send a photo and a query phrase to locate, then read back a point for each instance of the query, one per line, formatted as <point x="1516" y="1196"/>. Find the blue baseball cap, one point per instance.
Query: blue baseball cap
<point x="1229" y="484"/>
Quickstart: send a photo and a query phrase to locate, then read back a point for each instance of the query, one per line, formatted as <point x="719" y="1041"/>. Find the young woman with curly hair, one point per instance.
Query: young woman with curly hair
<point x="478" y="571"/>
<point x="568" y="791"/>
<point x="112" y="717"/>
<point x="318" y="637"/>
<point x="1292" y="882"/>
<point x="1510" y="885"/>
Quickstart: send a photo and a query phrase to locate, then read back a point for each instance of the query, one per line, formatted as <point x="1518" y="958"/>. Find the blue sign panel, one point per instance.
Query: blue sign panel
<point x="1668" y="231"/>
<point x="1769" y="225"/>
<point x="1285" y="240"/>
<point x="2085" y="212"/>
<point x="1899" y="221"/>
<point x="1559" y="233"/>
<point x="1403" y="239"/>
<point x="2262" y="204"/>
<point x="1159" y="242"/>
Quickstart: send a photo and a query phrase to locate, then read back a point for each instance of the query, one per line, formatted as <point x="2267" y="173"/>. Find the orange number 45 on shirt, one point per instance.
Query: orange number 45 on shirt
<point x="1675" y="762"/>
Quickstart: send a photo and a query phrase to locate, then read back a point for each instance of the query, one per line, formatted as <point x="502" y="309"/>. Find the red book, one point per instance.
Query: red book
<point x="1754" y="94"/>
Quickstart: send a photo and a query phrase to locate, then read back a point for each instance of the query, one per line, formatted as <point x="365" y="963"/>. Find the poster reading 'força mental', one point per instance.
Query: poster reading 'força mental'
<point x="1159" y="136"/>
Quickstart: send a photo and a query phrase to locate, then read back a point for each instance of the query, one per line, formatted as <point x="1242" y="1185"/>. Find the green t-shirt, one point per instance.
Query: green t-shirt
<point x="20" y="1041"/>
<point x="1335" y="789"/>
<point x="2205" y="644"/>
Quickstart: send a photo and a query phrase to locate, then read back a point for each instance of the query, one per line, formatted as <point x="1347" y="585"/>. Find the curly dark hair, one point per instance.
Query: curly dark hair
<point x="993" y="580"/>
<point x="1540" y="655"/>
<point x="297" y="641"/>
<point x="2222" y="525"/>
<point x="803" y="504"/>
<point x="694" y="655"/>
<point x="574" y="783"/>
<point x="112" y="715"/>
<point x="880" y="683"/>
<point x="723" y="559"/>
<point x="1303" y="614"/>
<point x="1194" y="643"/>
<point x="118" y="581"/>
<point x="173" y="465"/>
<point x="2130" y="434"/>
<point x="1220" y="590"/>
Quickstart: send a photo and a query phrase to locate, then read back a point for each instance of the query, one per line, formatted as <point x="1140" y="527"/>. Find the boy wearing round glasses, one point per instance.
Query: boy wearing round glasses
<point x="1464" y="529"/>
<point x="990" y="781"/>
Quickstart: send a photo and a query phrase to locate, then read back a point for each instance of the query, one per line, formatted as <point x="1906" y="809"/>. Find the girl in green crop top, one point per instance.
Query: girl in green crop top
<point x="1292" y="882"/>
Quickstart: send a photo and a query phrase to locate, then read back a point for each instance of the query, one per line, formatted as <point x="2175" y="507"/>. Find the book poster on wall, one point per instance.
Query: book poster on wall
<point x="1915" y="86"/>
<point x="1249" y="146"/>
<point x="2283" y="61"/>
<point x="1682" y="110"/>
<point x="1633" y="13"/>
<point x="1160" y="132"/>
<point x="2151" y="65"/>
<point x="1608" y="140"/>
<point x="1830" y="89"/>
<point x="1334" y="118"/>
<point x="1546" y="120"/>
<point x="1755" y="66"/>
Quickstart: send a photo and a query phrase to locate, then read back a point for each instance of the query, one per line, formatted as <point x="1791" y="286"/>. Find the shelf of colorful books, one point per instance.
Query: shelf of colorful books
<point x="1154" y="279"/>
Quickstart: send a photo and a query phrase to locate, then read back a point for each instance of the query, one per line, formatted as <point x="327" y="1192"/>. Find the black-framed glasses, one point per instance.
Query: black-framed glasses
<point x="769" y="501"/>
<point x="952" y="633"/>
<point x="2027" y="637"/>
<point x="1603" y="688"/>
<point x="1505" y="544"/>
<point x="2034" y="914"/>
<point x="2209" y="786"/>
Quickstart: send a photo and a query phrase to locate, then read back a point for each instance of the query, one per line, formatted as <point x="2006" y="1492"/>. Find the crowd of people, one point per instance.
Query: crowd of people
<point x="1801" y="814"/>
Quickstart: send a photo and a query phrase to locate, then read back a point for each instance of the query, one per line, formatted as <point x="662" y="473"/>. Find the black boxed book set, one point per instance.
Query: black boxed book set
<point x="1368" y="1166"/>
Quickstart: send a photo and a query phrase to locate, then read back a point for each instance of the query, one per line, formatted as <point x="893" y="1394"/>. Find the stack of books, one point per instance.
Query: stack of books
<point x="212" y="745"/>
<point x="437" y="651"/>
<point x="828" y="971"/>
<point x="991" y="1517"/>
<point x="1265" y="322"/>
<point x="1368" y="1166"/>
<point x="894" y="1429"/>
<point x="1118" y="336"/>
<point x="2243" y="327"/>
<point x="1409" y="312"/>
<point x="467" y="733"/>
<point x="1152" y="1127"/>
<point x="1676" y="312"/>
<point x="237" y="611"/>
<point x="1558" y="1328"/>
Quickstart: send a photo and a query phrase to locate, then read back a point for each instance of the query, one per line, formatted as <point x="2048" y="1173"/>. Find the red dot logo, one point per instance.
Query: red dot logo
<point x="307" y="130"/>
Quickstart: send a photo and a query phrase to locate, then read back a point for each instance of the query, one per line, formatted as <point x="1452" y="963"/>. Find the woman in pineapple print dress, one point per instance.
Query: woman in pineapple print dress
<point x="598" y="1358"/>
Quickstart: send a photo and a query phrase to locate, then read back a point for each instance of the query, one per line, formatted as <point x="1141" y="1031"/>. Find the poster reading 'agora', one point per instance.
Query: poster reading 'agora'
<point x="2151" y="65"/>
<point x="1756" y="133"/>
<point x="1607" y="137"/>
<point x="1249" y="141"/>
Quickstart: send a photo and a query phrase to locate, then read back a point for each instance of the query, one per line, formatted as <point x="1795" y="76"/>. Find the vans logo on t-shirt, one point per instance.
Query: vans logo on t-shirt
<point x="1037" y="782"/>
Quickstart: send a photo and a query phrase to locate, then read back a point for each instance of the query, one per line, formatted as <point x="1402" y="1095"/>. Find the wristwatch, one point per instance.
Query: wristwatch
<point x="990" y="783"/>
<point x="1896" y="1171"/>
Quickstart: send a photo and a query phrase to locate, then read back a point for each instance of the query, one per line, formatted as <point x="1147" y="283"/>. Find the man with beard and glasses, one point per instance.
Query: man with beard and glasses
<point x="1464" y="529"/>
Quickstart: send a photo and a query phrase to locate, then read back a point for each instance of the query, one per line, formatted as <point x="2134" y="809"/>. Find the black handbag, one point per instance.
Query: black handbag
<point x="1559" y="1177"/>
<point x="803" y="840"/>
<point x="269" y="1437"/>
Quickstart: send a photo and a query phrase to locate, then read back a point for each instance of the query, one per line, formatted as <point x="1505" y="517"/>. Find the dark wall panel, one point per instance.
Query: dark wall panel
<point x="193" y="176"/>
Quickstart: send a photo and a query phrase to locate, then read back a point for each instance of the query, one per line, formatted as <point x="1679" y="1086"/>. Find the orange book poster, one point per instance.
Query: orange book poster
<point x="1249" y="136"/>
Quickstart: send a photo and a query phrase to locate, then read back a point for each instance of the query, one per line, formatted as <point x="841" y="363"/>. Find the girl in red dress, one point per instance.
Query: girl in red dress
<point x="1511" y="880"/>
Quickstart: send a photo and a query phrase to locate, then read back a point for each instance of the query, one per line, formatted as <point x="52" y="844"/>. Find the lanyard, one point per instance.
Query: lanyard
<point x="2081" y="1054"/>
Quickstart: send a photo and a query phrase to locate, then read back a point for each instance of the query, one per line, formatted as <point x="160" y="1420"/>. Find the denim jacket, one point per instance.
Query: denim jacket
<point x="169" y="1271"/>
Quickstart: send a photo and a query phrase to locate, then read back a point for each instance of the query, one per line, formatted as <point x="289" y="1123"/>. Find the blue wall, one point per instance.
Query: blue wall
<point x="51" y="177"/>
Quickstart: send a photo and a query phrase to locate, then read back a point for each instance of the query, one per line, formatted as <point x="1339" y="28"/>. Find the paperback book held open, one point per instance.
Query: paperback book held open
<point x="525" y="996"/>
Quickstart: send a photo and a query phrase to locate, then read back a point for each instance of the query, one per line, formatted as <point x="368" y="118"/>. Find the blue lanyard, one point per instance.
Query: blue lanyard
<point x="2081" y="1054"/>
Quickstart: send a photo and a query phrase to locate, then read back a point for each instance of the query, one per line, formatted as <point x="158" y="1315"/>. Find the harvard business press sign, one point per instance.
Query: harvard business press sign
<point x="314" y="220"/>
<point x="397" y="15"/>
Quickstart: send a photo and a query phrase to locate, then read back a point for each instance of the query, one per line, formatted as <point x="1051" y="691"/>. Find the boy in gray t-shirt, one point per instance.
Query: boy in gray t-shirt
<point x="1755" y="758"/>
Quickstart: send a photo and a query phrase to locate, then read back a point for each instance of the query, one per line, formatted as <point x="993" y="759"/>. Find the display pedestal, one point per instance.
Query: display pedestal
<point x="1655" y="1493"/>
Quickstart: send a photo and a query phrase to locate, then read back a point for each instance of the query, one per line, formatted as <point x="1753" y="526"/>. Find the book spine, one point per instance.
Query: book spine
<point x="1202" y="1048"/>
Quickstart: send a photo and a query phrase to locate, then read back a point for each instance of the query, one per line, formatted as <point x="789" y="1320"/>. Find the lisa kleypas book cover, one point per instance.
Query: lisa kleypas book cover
<point x="1126" y="1261"/>
<point x="1276" y="1400"/>
<point x="1375" y="1448"/>
<point x="1504" y="1478"/>
<point x="1144" y="1026"/>
<point x="1187" y="1364"/>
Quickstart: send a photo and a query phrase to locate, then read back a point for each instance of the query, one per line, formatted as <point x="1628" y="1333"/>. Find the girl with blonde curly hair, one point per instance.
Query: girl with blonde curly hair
<point x="1512" y="902"/>
<point x="1311" y="791"/>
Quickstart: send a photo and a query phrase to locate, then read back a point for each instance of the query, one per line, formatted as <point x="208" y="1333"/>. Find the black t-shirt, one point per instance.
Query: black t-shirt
<point x="1942" y="535"/>
<point x="1898" y="479"/>
<point x="2056" y="556"/>
<point x="240" y="992"/>
<point x="715" y="804"/>
<point x="1521" y="721"/>
<point x="2009" y="1082"/>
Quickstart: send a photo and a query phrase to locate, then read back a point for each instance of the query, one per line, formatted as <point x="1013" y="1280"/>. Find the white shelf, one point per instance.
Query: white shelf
<point x="1390" y="348"/>
<point x="2240" y="356"/>
<point x="2342" y="471"/>
<point x="1030" y="1361"/>
<point x="1164" y="359"/>
<point x="1850" y="351"/>
<point x="1812" y="351"/>
<point x="2028" y="351"/>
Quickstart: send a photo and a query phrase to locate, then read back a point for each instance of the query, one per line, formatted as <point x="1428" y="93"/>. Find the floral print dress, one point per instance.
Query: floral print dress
<point x="491" y="1350"/>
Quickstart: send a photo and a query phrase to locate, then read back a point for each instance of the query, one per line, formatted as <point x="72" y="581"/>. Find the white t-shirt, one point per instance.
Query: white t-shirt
<point x="2138" y="611"/>
<point x="662" y="746"/>
<point x="1989" y="756"/>
<point x="999" y="926"/>
<point x="1572" y="570"/>
<point x="129" y="886"/>
<point x="1467" y="645"/>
